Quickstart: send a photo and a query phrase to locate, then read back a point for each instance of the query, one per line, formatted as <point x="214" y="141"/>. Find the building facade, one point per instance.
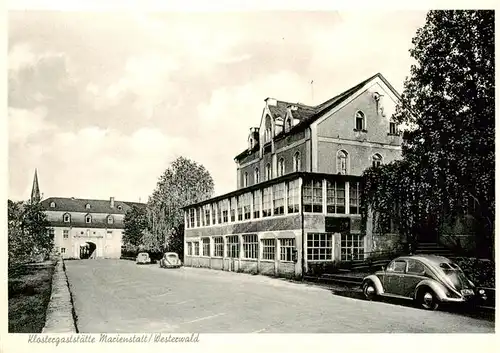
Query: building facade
<point x="297" y="198"/>
<point x="87" y="228"/>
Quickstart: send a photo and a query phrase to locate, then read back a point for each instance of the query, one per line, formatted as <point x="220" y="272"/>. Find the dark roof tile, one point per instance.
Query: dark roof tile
<point x="96" y="206"/>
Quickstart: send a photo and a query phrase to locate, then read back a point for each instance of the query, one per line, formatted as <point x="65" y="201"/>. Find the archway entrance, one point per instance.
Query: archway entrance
<point x="87" y="249"/>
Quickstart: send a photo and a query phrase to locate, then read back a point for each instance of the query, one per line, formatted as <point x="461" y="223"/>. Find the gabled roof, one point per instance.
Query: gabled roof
<point x="307" y="114"/>
<point x="68" y="204"/>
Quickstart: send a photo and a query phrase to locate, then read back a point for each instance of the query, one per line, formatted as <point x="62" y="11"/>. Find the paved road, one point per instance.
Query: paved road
<point x="118" y="296"/>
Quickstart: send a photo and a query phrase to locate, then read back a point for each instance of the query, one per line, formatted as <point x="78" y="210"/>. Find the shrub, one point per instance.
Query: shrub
<point x="480" y="272"/>
<point x="320" y="268"/>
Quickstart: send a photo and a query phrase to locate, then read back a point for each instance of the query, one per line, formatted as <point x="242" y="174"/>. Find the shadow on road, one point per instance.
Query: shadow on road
<point x="464" y="310"/>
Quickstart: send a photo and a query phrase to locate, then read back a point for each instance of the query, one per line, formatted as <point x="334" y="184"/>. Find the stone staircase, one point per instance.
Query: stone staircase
<point x="433" y="249"/>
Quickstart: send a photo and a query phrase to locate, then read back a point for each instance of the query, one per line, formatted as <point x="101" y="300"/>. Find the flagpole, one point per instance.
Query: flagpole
<point x="312" y="91"/>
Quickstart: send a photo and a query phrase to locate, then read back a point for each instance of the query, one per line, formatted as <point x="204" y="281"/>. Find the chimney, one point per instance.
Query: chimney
<point x="112" y="202"/>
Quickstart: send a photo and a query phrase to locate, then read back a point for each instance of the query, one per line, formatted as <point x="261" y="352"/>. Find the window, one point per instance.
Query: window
<point x="376" y="160"/>
<point x="198" y="217"/>
<point x="392" y="128"/>
<point x="245" y="180"/>
<point x="65" y="233"/>
<point x="281" y="167"/>
<point x="120" y="207"/>
<point x="354" y="198"/>
<point x="233" y="246"/>
<point x="319" y="246"/>
<point x="218" y="247"/>
<point x="335" y="196"/>
<point x="52" y="204"/>
<point x="266" y="202"/>
<point x="191" y="217"/>
<point x="219" y="212"/>
<point x="51" y="232"/>
<point x="360" y="121"/>
<point x="351" y="247"/>
<point x="268" y="171"/>
<point x="109" y="234"/>
<point x="293" y="196"/>
<point x="196" y="248"/>
<point x="250" y="246"/>
<point x="397" y="266"/>
<point x="279" y="198"/>
<point x="213" y="208"/>
<point x="63" y="250"/>
<point x="225" y="217"/>
<point x="342" y="162"/>
<point x="245" y="199"/>
<point x="286" y="249"/>
<point x="207" y="214"/>
<point x="67" y="218"/>
<point x="233" y="209"/>
<point x="110" y="220"/>
<point x="269" y="249"/>
<point x="88" y="219"/>
<point x="296" y="162"/>
<point x="313" y="196"/>
<point x="206" y="247"/>
<point x="256" y="203"/>
<point x="87" y="206"/>
<point x="239" y="201"/>
<point x="257" y="176"/>
<point x="189" y="248"/>
<point x="415" y="267"/>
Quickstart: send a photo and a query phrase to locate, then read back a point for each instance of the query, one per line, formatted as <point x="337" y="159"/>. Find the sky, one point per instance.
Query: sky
<point x="101" y="103"/>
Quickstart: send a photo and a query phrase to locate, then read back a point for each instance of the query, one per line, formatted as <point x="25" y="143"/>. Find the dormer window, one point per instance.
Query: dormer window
<point x="251" y="143"/>
<point x="360" y="121"/>
<point x="87" y="206"/>
<point x="88" y="219"/>
<point x="289" y="124"/>
<point x="67" y="218"/>
<point x="119" y="207"/>
<point x="110" y="219"/>
<point x="52" y="204"/>
<point x="376" y="160"/>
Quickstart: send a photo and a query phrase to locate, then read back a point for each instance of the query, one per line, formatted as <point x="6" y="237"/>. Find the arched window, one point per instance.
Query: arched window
<point x="245" y="180"/>
<point x="269" y="128"/>
<point x="257" y="176"/>
<point x="376" y="160"/>
<point x="120" y="207"/>
<point x="360" y="121"/>
<point x="110" y="219"/>
<point x="67" y="218"/>
<point x="268" y="171"/>
<point x="281" y="167"/>
<point x="342" y="162"/>
<point x="88" y="219"/>
<point x="250" y="143"/>
<point x="52" y="204"/>
<point x="296" y="162"/>
<point x="87" y="206"/>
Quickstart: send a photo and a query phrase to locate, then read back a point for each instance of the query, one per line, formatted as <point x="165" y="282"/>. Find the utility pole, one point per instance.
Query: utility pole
<point x="312" y="91"/>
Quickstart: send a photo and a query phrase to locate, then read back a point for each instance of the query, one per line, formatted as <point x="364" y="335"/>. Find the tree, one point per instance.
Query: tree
<point x="449" y="100"/>
<point x="135" y="224"/>
<point x="28" y="232"/>
<point x="185" y="182"/>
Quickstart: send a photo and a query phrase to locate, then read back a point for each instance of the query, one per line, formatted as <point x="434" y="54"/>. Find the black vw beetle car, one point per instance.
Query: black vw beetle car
<point x="427" y="279"/>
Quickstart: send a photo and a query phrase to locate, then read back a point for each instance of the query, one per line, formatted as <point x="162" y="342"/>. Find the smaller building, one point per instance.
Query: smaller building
<point x="85" y="228"/>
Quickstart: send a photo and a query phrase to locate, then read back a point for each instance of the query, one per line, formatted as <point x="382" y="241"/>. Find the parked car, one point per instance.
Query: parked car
<point x="427" y="279"/>
<point x="143" y="258"/>
<point x="170" y="260"/>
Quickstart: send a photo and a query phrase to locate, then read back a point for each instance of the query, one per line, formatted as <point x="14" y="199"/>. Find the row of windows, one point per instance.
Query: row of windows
<point x="276" y="200"/>
<point x="319" y="247"/>
<point x="250" y="247"/>
<point x="268" y="170"/>
<point x="88" y="218"/>
<point x="360" y="123"/>
<point x="51" y="232"/>
<point x="342" y="166"/>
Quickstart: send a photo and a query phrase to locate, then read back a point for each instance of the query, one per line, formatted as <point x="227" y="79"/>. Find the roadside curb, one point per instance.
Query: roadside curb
<point x="59" y="317"/>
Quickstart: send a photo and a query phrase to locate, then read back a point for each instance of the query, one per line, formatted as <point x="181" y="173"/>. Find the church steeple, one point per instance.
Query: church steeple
<point x="35" y="191"/>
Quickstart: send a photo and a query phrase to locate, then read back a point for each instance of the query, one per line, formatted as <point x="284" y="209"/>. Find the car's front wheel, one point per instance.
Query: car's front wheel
<point x="428" y="299"/>
<point x="369" y="290"/>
